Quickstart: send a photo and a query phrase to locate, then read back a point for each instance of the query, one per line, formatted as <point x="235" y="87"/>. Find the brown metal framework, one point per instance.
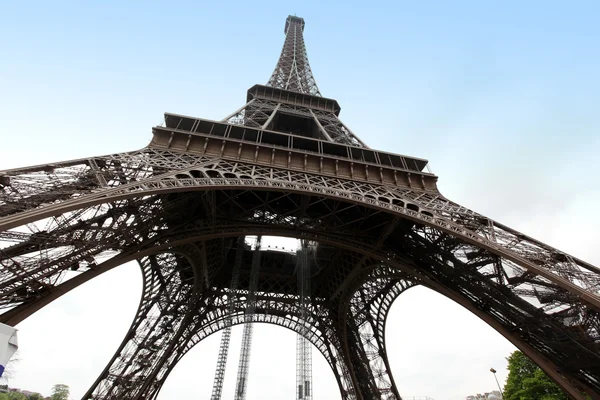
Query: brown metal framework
<point x="283" y="165"/>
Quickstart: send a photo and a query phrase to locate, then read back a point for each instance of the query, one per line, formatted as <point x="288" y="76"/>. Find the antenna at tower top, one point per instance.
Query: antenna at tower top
<point x="292" y="19"/>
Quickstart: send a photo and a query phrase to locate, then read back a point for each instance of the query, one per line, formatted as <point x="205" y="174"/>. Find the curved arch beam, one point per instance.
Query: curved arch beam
<point x="387" y="255"/>
<point x="273" y="315"/>
<point x="163" y="184"/>
<point x="551" y="368"/>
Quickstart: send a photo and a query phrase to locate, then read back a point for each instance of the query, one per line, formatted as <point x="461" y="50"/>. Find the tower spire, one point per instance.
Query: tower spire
<point x="292" y="71"/>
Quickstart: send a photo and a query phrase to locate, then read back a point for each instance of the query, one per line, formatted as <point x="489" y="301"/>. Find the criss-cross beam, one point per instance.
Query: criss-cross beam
<point x="39" y="261"/>
<point x="520" y="253"/>
<point x="173" y="297"/>
<point x="362" y="312"/>
<point x="367" y="341"/>
<point x="131" y="367"/>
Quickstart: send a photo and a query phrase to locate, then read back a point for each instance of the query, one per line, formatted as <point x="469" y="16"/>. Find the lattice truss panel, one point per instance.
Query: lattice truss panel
<point x="366" y="316"/>
<point x="210" y="314"/>
<point x="293" y="70"/>
<point x="75" y="241"/>
<point x="254" y="114"/>
<point x="304" y="262"/>
<point x="258" y="113"/>
<point x="226" y="335"/>
<point x="64" y="224"/>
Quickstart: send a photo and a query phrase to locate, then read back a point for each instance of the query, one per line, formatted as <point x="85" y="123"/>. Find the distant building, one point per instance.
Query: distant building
<point x="493" y="395"/>
<point x="25" y="392"/>
<point x="417" y="398"/>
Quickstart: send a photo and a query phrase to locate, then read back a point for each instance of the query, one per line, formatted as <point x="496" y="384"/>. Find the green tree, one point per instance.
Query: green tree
<point x="20" y="396"/>
<point x="526" y="381"/>
<point x="60" y="392"/>
<point x="16" y="396"/>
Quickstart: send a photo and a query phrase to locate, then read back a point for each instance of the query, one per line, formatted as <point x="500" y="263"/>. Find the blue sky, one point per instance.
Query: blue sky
<point x="500" y="96"/>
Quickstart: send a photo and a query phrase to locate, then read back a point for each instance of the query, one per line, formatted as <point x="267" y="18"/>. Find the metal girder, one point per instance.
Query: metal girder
<point x="304" y="386"/>
<point x="244" y="363"/>
<point x="226" y="336"/>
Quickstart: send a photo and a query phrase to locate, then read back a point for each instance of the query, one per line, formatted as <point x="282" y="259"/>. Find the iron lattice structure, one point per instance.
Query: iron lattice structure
<point x="303" y="346"/>
<point x="226" y="336"/>
<point x="283" y="165"/>
<point x="244" y="364"/>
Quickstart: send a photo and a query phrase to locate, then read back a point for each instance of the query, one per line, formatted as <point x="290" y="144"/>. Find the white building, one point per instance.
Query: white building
<point x="493" y="395"/>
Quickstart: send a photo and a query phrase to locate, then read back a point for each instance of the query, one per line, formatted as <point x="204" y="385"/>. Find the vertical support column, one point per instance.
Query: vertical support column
<point x="244" y="364"/>
<point x="226" y="336"/>
<point x="303" y="346"/>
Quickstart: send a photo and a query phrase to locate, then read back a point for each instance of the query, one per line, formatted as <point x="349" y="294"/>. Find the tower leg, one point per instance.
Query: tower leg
<point x="364" y="333"/>
<point x="159" y="332"/>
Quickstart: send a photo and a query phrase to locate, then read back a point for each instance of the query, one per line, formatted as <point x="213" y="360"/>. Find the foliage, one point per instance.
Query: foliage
<point x="20" y="396"/>
<point x="60" y="392"/>
<point x="13" y="396"/>
<point x="526" y="381"/>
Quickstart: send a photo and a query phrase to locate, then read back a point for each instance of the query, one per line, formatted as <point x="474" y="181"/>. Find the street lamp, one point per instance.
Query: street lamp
<point x="493" y="371"/>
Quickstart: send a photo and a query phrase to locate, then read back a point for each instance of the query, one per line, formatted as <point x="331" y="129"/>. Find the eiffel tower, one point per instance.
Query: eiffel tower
<point x="283" y="165"/>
